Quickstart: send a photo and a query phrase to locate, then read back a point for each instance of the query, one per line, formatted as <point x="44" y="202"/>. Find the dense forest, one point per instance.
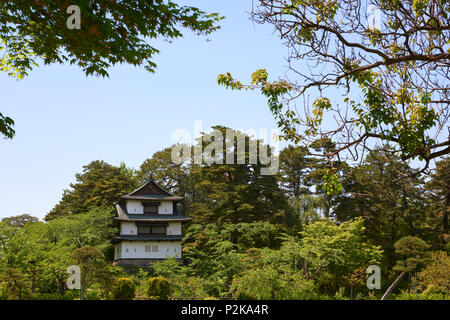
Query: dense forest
<point x="277" y="236"/>
<point x="364" y="104"/>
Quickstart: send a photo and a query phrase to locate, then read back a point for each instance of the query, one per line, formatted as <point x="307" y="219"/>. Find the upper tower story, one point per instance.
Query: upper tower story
<point x="149" y="203"/>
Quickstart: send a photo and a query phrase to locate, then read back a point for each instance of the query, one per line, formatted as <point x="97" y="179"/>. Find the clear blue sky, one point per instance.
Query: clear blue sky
<point x="65" y="120"/>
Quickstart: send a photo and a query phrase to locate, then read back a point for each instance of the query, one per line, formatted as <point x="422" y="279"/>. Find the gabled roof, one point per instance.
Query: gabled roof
<point x="122" y="215"/>
<point x="150" y="190"/>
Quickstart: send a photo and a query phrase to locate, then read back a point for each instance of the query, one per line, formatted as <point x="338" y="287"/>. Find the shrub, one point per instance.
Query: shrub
<point x="14" y="285"/>
<point x="159" y="288"/>
<point x="123" y="289"/>
<point x="50" y="296"/>
<point x="427" y="295"/>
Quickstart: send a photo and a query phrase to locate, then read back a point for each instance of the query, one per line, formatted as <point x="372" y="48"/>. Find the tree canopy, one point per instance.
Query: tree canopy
<point x="100" y="185"/>
<point x="111" y="32"/>
<point x="370" y="82"/>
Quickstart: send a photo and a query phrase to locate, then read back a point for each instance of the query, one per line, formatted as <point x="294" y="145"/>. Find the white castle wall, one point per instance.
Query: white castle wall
<point x="136" y="207"/>
<point x="136" y="250"/>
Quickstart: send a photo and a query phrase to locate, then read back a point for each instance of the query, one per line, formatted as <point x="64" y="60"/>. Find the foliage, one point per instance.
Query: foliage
<point x="308" y="245"/>
<point x="50" y="296"/>
<point x="392" y="202"/>
<point x="13" y="245"/>
<point x="426" y="295"/>
<point x="412" y="251"/>
<point x="20" y="221"/>
<point x="235" y="193"/>
<point x="38" y="30"/>
<point x="173" y="177"/>
<point x="338" y="248"/>
<point x="268" y="283"/>
<point x="393" y="74"/>
<point x="159" y="287"/>
<point x="6" y="127"/>
<point x="92" y="265"/>
<point x="436" y="276"/>
<point x="93" y="228"/>
<point x="14" y="285"/>
<point x="100" y="185"/>
<point x="123" y="289"/>
<point x="438" y="190"/>
<point x="111" y="32"/>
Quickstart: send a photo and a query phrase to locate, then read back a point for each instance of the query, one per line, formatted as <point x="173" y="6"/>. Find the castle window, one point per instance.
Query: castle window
<point x="151" y="208"/>
<point x="155" y="248"/>
<point x="152" y="229"/>
<point x="148" y="248"/>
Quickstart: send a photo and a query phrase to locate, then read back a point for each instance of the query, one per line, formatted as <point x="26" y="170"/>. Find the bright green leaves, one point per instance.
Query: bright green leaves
<point x="326" y="243"/>
<point x="228" y="82"/>
<point x="325" y="10"/>
<point x="111" y="32"/>
<point x="305" y="34"/>
<point x="17" y="59"/>
<point x="331" y="182"/>
<point x="419" y="6"/>
<point x="374" y="35"/>
<point x="402" y="116"/>
<point x="259" y="76"/>
<point x="272" y="90"/>
<point x="319" y="106"/>
<point x="419" y="116"/>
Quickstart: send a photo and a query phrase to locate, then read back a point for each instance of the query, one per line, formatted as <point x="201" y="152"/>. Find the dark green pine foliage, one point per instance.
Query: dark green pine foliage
<point x="319" y="167"/>
<point x="224" y="193"/>
<point x="383" y="191"/>
<point x="100" y="185"/>
<point x="294" y="166"/>
<point x="438" y="192"/>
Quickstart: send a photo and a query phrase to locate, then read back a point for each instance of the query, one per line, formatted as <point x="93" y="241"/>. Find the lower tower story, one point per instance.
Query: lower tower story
<point x="141" y="254"/>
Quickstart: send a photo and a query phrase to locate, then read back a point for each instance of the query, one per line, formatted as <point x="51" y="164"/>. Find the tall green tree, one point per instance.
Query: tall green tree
<point x="438" y="189"/>
<point x="42" y="250"/>
<point x="328" y="251"/>
<point x="384" y="191"/>
<point x="20" y="221"/>
<point x="412" y="253"/>
<point x="237" y="192"/>
<point x="92" y="264"/>
<point x="436" y="274"/>
<point x="100" y="185"/>
<point x="293" y="169"/>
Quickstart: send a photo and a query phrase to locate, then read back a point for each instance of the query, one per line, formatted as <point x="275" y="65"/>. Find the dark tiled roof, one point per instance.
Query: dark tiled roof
<point x="150" y="237"/>
<point x="150" y="197"/>
<point x="124" y="216"/>
<point x="156" y="217"/>
<point x="150" y="190"/>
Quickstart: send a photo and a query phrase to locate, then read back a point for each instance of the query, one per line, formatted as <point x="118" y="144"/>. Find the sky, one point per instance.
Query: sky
<point x="65" y="120"/>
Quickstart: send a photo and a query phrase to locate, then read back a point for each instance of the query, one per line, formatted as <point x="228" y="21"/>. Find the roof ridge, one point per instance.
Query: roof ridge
<point x="150" y="180"/>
